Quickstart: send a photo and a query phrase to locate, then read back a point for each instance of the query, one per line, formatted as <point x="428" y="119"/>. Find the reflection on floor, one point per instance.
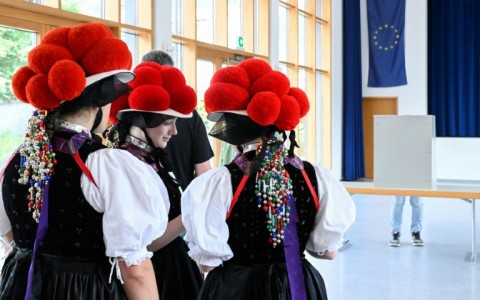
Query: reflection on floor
<point x="370" y="269"/>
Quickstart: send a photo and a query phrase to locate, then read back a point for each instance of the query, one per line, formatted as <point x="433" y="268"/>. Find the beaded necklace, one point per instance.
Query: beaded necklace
<point x="112" y="137"/>
<point x="273" y="188"/>
<point x="36" y="161"/>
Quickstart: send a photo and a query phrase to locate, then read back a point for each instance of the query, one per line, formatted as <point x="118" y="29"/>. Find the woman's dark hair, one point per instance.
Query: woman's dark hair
<point x="71" y="108"/>
<point x="236" y="129"/>
<point x="139" y="119"/>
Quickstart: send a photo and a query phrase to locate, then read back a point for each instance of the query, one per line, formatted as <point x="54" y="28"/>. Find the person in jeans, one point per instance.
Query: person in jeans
<point x="396" y="212"/>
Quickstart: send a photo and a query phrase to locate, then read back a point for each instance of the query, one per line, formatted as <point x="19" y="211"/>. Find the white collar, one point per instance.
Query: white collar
<point x="59" y="123"/>
<point x="139" y="143"/>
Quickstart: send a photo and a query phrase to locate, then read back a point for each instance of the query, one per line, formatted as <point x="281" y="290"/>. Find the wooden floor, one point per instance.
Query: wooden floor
<point x="370" y="269"/>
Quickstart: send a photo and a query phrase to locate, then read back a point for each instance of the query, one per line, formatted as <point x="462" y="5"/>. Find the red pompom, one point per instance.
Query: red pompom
<point x="19" y="82"/>
<point x="231" y="74"/>
<point x="83" y="37"/>
<point x="146" y="75"/>
<point x="273" y="81"/>
<point x="150" y="98"/>
<point x="172" y="78"/>
<point x="43" y="57"/>
<point x="107" y="55"/>
<point x="66" y="79"/>
<point x="264" y="108"/>
<point x="255" y="68"/>
<point x="149" y="64"/>
<point x="118" y="105"/>
<point x="39" y="95"/>
<point x="302" y="100"/>
<point x="57" y="36"/>
<point x="289" y="116"/>
<point x="183" y="99"/>
<point x="225" y="96"/>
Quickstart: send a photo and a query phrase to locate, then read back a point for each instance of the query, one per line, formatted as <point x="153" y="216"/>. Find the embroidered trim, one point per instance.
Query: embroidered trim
<point x="59" y="124"/>
<point x="250" y="147"/>
<point x="139" y="143"/>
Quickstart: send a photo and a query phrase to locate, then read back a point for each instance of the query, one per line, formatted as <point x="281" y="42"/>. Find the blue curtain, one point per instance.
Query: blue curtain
<point x="353" y="152"/>
<point x="454" y="66"/>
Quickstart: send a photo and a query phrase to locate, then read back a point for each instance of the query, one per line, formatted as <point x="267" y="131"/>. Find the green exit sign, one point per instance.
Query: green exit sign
<point x="240" y="42"/>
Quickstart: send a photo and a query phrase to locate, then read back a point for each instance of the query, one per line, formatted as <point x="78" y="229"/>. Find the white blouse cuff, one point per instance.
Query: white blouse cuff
<point x="207" y="260"/>
<point x="132" y="259"/>
<point x="137" y="257"/>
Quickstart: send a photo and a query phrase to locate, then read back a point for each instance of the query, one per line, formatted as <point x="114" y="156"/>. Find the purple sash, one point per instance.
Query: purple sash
<point x="41" y="230"/>
<point x="292" y="256"/>
<point x="290" y="242"/>
<point x="68" y="146"/>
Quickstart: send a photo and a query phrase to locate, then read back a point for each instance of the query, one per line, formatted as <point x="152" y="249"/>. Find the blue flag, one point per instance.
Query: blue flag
<point x="386" y="23"/>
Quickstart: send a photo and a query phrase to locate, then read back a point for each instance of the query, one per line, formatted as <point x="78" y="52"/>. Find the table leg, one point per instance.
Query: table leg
<point x="474" y="233"/>
<point x="472" y="257"/>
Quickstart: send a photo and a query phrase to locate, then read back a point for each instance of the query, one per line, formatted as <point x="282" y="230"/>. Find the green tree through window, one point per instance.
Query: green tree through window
<point x="14" y="47"/>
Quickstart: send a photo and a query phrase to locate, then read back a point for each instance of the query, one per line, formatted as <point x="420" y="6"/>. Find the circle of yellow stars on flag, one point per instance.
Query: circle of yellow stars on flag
<point x="386" y="29"/>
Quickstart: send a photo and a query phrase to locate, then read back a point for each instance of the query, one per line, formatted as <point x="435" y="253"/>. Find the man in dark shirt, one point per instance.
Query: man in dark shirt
<point x="189" y="151"/>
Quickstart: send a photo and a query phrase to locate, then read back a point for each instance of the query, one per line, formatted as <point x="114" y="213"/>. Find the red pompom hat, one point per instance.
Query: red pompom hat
<point x="255" y="90"/>
<point x="253" y="106"/>
<point x="68" y="60"/>
<point x="157" y="89"/>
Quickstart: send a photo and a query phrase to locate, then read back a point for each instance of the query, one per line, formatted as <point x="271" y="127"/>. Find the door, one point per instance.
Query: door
<point x="374" y="106"/>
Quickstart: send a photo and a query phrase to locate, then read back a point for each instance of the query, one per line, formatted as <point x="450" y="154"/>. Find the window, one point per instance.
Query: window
<point x="208" y="30"/>
<point x="132" y="41"/>
<point x="283" y="33"/>
<point x="205" y="23"/>
<point x="93" y="8"/>
<point x="14" y="47"/>
<point x="177" y="17"/>
<point x="302" y="40"/>
<point x="235" y="24"/>
<point x="22" y="32"/>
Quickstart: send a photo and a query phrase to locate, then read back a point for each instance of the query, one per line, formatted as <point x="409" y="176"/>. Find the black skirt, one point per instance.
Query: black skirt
<point x="262" y="282"/>
<point x="58" y="278"/>
<point x="178" y="276"/>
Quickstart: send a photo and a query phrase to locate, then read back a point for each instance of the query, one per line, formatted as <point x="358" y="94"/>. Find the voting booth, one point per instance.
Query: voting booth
<point x="404" y="152"/>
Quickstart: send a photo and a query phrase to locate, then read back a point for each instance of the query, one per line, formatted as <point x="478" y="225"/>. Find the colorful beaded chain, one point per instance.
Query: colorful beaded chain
<point x="36" y="161"/>
<point x="112" y="138"/>
<point x="273" y="188"/>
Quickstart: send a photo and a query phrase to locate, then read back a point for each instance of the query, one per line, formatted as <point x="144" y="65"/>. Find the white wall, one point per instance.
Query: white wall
<point x="457" y="158"/>
<point x="337" y="85"/>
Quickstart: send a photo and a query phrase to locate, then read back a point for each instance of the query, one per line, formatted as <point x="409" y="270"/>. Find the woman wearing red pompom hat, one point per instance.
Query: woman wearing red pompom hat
<point x="79" y="215"/>
<point x="146" y="125"/>
<point x="248" y="223"/>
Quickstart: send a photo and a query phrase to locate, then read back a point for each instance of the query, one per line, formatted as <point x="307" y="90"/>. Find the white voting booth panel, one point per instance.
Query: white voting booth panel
<point x="404" y="152"/>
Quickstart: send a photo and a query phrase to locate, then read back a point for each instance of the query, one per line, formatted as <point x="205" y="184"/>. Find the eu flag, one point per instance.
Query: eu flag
<point x="386" y="23"/>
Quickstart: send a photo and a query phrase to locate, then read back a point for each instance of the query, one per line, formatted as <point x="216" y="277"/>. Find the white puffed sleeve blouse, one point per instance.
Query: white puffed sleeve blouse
<point x="206" y="201"/>
<point x="131" y="196"/>
<point x="133" y="200"/>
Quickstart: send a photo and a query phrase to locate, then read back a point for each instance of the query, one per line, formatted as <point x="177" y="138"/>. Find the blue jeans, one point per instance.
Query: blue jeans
<point x="396" y="212"/>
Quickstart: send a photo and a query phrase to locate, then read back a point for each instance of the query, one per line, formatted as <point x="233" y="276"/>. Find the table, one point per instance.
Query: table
<point x="468" y="190"/>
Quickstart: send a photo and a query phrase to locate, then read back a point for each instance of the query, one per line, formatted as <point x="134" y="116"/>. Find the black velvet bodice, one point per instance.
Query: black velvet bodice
<point x="174" y="194"/>
<point x="247" y="223"/>
<point x="157" y="159"/>
<point x="74" y="227"/>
